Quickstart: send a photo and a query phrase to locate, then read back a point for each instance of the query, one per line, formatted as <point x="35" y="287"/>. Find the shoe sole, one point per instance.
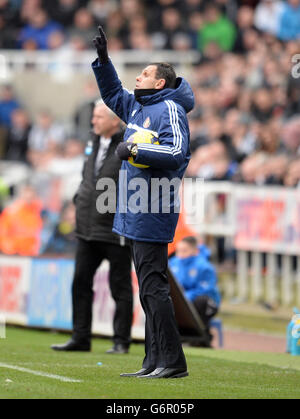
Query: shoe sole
<point x="132" y="374"/>
<point x="179" y="375"/>
<point x="129" y="375"/>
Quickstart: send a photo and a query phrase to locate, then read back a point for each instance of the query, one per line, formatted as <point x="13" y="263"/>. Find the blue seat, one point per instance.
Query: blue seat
<point x="218" y="324"/>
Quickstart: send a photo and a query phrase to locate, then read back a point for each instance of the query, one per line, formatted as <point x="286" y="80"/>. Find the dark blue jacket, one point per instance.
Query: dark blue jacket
<point x="197" y="277"/>
<point x="164" y="115"/>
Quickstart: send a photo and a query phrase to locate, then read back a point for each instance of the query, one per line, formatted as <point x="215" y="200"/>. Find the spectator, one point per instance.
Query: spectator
<point x="137" y="34"/>
<point x="131" y="8"/>
<point x="171" y="26"/>
<point x="63" y="240"/>
<point x="293" y="96"/>
<point x="292" y="176"/>
<point x="276" y="169"/>
<point x="56" y="41"/>
<point x="182" y="231"/>
<point x="8" y="104"/>
<point x="181" y="42"/>
<point x="291" y="135"/>
<point x="197" y="276"/>
<point x="193" y="6"/>
<point x="195" y="21"/>
<point x="252" y="169"/>
<point x="116" y="26"/>
<point x="262" y="105"/>
<point x="63" y="11"/>
<point x="217" y="29"/>
<point x="38" y="29"/>
<point x="17" y="136"/>
<point x="84" y="111"/>
<point x="267" y="16"/>
<point x="289" y="25"/>
<point x="4" y="194"/>
<point x="9" y="11"/>
<point x="69" y="162"/>
<point x="46" y="139"/>
<point x="29" y="8"/>
<point x="83" y="27"/>
<point x="269" y="141"/>
<point x="8" y="34"/>
<point x="67" y="165"/>
<point x="140" y="41"/>
<point x="101" y="9"/>
<point x="244" y="24"/>
<point x="45" y="133"/>
<point x="21" y="224"/>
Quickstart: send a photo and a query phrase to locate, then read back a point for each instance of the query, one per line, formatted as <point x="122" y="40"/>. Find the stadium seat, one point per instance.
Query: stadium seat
<point x="218" y="324"/>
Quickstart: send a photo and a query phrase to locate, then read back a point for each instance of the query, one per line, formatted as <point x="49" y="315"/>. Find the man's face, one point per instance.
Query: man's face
<point x="147" y="79"/>
<point x="103" y="121"/>
<point x="185" y="250"/>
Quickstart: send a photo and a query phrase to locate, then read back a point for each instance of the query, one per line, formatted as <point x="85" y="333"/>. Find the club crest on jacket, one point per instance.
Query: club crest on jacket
<point x="147" y="123"/>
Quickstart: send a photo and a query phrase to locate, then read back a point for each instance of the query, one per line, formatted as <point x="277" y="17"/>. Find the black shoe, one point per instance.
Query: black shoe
<point x="143" y="371"/>
<point x="119" y="348"/>
<point x="72" y="345"/>
<point x="166" y="373"/>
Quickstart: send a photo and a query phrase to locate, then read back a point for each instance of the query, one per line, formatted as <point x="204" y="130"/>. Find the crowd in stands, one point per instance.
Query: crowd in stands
<point x="246" y="123"/>
<point x="146" y="24"/>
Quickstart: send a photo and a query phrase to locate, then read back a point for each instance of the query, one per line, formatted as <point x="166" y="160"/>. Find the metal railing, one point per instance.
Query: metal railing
<point x="263" y="224"/>
<point x="19" y="60"/>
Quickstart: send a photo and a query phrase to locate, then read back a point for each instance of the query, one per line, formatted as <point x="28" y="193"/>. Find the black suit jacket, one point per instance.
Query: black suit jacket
<point x="90" y="224"/>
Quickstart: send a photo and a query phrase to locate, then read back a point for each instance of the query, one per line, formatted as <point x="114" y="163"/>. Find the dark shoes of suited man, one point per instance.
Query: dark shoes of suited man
<point x="166" y="373"/>
<point x="118" y="348"/>
<point x="72" y="346"/>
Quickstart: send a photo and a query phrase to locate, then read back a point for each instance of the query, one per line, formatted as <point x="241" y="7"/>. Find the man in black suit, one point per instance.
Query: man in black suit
<point x="97" y="242"/>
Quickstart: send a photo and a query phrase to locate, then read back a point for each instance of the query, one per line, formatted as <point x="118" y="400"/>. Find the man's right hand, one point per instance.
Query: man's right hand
<point x="100" y="43"/>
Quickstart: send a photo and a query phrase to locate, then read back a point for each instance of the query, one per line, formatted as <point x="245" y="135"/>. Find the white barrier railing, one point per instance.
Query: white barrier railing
<point x="263" y="222"/>
<point x="16" y="60"/>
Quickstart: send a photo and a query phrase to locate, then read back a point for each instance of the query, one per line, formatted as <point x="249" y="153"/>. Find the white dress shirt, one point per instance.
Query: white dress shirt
<point x="104" y="143"/>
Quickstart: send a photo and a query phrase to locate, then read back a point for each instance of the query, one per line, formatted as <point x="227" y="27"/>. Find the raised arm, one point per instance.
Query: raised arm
<point x="118" y="99"/>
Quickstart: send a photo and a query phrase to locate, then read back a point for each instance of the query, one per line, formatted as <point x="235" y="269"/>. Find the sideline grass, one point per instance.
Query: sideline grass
<point x="213" y="374"/>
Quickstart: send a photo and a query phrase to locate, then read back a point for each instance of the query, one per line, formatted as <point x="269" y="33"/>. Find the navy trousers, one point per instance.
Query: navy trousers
<point x="162" y="340"/>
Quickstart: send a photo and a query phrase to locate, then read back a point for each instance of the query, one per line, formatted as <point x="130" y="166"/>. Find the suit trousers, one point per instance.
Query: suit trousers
<point x="89" y="256"/>
<point x="162" y="340"/>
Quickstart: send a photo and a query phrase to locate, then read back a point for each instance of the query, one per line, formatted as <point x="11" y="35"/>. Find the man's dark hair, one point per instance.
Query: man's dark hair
<point x="166" y="71"/>
<point x="191" y="240"/>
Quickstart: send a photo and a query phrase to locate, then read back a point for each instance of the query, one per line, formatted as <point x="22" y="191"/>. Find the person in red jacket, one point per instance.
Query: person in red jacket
<point x="21" y="225"/>
<point x="182" y="231"/>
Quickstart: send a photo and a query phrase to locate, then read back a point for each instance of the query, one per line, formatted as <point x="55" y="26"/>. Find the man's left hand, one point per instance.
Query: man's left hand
<point x="123" y="150"/>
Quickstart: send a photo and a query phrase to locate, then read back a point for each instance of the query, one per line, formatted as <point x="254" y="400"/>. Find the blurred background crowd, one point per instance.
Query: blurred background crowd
<point x="246" y="123"/>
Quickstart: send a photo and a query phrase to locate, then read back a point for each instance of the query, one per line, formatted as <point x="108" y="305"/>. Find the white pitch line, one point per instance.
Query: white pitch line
<point x="41" y="374"/>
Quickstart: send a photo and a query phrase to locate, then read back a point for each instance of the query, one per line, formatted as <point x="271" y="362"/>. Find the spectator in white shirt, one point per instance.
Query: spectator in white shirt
<point x="267" y="16"/>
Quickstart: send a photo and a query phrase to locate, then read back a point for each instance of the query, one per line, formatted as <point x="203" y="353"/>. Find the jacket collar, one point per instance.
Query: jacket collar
<point x="182" y="94"/>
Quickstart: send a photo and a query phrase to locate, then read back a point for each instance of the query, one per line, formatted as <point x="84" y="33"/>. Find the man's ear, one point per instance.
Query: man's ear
<point x="160" y="84"/>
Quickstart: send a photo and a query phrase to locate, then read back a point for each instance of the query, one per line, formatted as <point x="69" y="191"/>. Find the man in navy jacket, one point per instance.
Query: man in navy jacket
<point x="157" y="107"/>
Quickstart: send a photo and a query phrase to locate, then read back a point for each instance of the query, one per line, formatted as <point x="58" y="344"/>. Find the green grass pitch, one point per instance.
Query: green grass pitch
<point x="213" y="373"/>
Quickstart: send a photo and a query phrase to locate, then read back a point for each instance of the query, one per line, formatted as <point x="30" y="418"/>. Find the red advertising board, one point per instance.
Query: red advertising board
<point x="268" y="220"/>
<point x="14" y="275"/>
